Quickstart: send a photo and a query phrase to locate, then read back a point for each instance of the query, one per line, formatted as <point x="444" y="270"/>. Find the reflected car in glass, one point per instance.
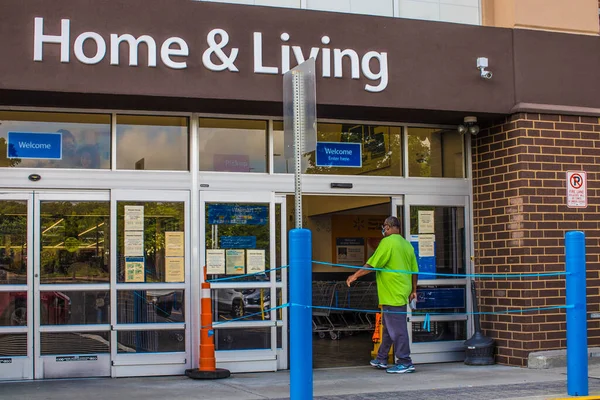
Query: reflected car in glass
<point x="55" y="308"/>
<point x="229" y="301"/>
<point x="252" y="300"/>
<point x="165" y="301"/>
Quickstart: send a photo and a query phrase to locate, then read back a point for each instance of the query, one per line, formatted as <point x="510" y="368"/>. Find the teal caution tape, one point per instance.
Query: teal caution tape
<point x="427" y="323"/>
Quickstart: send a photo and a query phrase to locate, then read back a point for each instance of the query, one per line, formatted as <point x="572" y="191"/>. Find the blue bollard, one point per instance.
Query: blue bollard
<point x="301" y="378"/>
<point x="577" y="355"/>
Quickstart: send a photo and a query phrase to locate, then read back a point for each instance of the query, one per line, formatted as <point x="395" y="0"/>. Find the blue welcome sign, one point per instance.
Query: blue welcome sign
<point x="334" y="154"/>
<point x="28" y="145"/>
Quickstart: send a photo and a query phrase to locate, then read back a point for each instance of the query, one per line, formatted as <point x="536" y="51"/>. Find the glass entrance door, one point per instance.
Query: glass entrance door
<point x="243" y="245"/>
<point x="438" y="228"/>
<point x="150" y="283"/>
<point x="71" y="285"/>
<point x="16" y="281"/>
<point x="54" y="284"/>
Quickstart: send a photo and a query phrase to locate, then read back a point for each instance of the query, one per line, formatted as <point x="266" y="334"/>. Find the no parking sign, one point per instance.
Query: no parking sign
<point x="577" y="189"/>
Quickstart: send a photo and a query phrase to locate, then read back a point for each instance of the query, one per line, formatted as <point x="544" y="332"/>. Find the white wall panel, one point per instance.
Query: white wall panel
<point x="418" y="9"/>
<point x="459" y="14"/>
<point x="278" y="3"/>
<point x="373" y="7"/>
<point x="329" y="5"/>
<point x="457" y="11"/>
<point x="466" y="3"/>
<point x="249" y="2"/>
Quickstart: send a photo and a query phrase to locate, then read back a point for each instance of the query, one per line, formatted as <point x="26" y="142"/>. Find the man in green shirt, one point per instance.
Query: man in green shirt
<point x="395" y="290"/>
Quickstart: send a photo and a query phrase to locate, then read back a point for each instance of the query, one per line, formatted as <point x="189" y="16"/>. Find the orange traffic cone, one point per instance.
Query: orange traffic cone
<point x="208" y="369"/>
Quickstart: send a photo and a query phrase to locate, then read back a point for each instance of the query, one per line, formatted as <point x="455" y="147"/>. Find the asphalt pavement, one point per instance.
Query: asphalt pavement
<point x="430" y="381"/>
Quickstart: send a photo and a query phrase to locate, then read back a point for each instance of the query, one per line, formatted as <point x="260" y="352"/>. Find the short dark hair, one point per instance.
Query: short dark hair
<point x="392" y="222"/>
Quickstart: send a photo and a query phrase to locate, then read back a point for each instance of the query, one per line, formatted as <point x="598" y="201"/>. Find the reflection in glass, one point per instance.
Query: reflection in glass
<point x="449" y="241"/>
<point x="55" y="308"/>
<point x="233" y="145"/>
<point x="150" y="306"/>
<point x="13" y="308"/>
<point x="237" y="228"/>
<point x="152" y="143"/>
<point x="436" y="153"/>
<point x="246" y="304"/>
<point x="441" y="299"/>
<point x="74" y="308"/>
<point x="141" y="249"/>
<point x="85" y="138"/>
<point x="278" y="259"/>
<point x="242" y="339"/>
<point x="74" y="241"/>
<point x="439" y="331"/>
<point x="159" y="341"/>
<point x="227" y="304"/>
<point x="13" y="344"/>
<point x="400" y="216"/>
<point x="381" y="149"/>
<point x="279" y="338"/>
<point x="74" y="343"/>
<point x="13" y="242"/>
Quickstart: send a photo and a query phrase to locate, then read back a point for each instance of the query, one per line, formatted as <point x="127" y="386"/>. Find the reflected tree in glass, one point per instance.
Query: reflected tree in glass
<point x="74" y="241"/>
<point x="159" y="217"/>
<point x="13" y="242"/>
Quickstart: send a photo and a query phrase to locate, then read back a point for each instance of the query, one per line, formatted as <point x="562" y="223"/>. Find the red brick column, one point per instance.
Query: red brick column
<point x="520" y="219"/>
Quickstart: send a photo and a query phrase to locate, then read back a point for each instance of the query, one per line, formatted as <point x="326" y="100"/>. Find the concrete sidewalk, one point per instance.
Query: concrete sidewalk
<point x="431" y="381"/>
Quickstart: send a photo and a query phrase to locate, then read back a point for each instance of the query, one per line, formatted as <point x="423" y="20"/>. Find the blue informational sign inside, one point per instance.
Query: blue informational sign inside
<point x="334" y="154"/>
<point x="439" y="298"/>
<point x="426" y="264"/>
<point x="236" y="214"/>
<point x="27" y="145"/>
<point x="238" y="242"/>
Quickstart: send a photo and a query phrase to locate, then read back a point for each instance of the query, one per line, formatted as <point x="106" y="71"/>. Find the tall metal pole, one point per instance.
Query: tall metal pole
<point x="299" y="115"/>
<point x="299" y="99"/>
<point x="577" y="355"/>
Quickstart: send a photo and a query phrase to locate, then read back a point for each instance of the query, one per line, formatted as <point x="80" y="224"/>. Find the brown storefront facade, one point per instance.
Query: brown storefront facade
<point x="538" y="119"/>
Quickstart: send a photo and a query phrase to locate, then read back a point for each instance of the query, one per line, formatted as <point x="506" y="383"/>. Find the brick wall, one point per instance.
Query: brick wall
<point x="519" y="172"/>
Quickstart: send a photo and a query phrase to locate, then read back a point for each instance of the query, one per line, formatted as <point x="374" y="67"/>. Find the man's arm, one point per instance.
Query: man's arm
<point x="413" y="293"/>
<point x="366" y="269"/>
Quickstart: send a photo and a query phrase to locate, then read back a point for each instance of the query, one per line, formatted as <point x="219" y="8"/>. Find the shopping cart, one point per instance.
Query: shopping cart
<point x="322" y="300"/>
<point x="339" y="309"/>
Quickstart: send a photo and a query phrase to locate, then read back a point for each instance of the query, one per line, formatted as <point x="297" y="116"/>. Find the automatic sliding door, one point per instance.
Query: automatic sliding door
<point x="16" y="305"/>
<point x="72" y="285"/>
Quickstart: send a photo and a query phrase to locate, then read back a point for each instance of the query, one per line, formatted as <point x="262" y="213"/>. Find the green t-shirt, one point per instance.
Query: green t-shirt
<point x="394" y="253"/>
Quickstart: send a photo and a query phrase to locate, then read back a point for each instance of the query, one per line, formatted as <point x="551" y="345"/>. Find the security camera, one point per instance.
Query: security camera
<point x="482" y="64"/>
